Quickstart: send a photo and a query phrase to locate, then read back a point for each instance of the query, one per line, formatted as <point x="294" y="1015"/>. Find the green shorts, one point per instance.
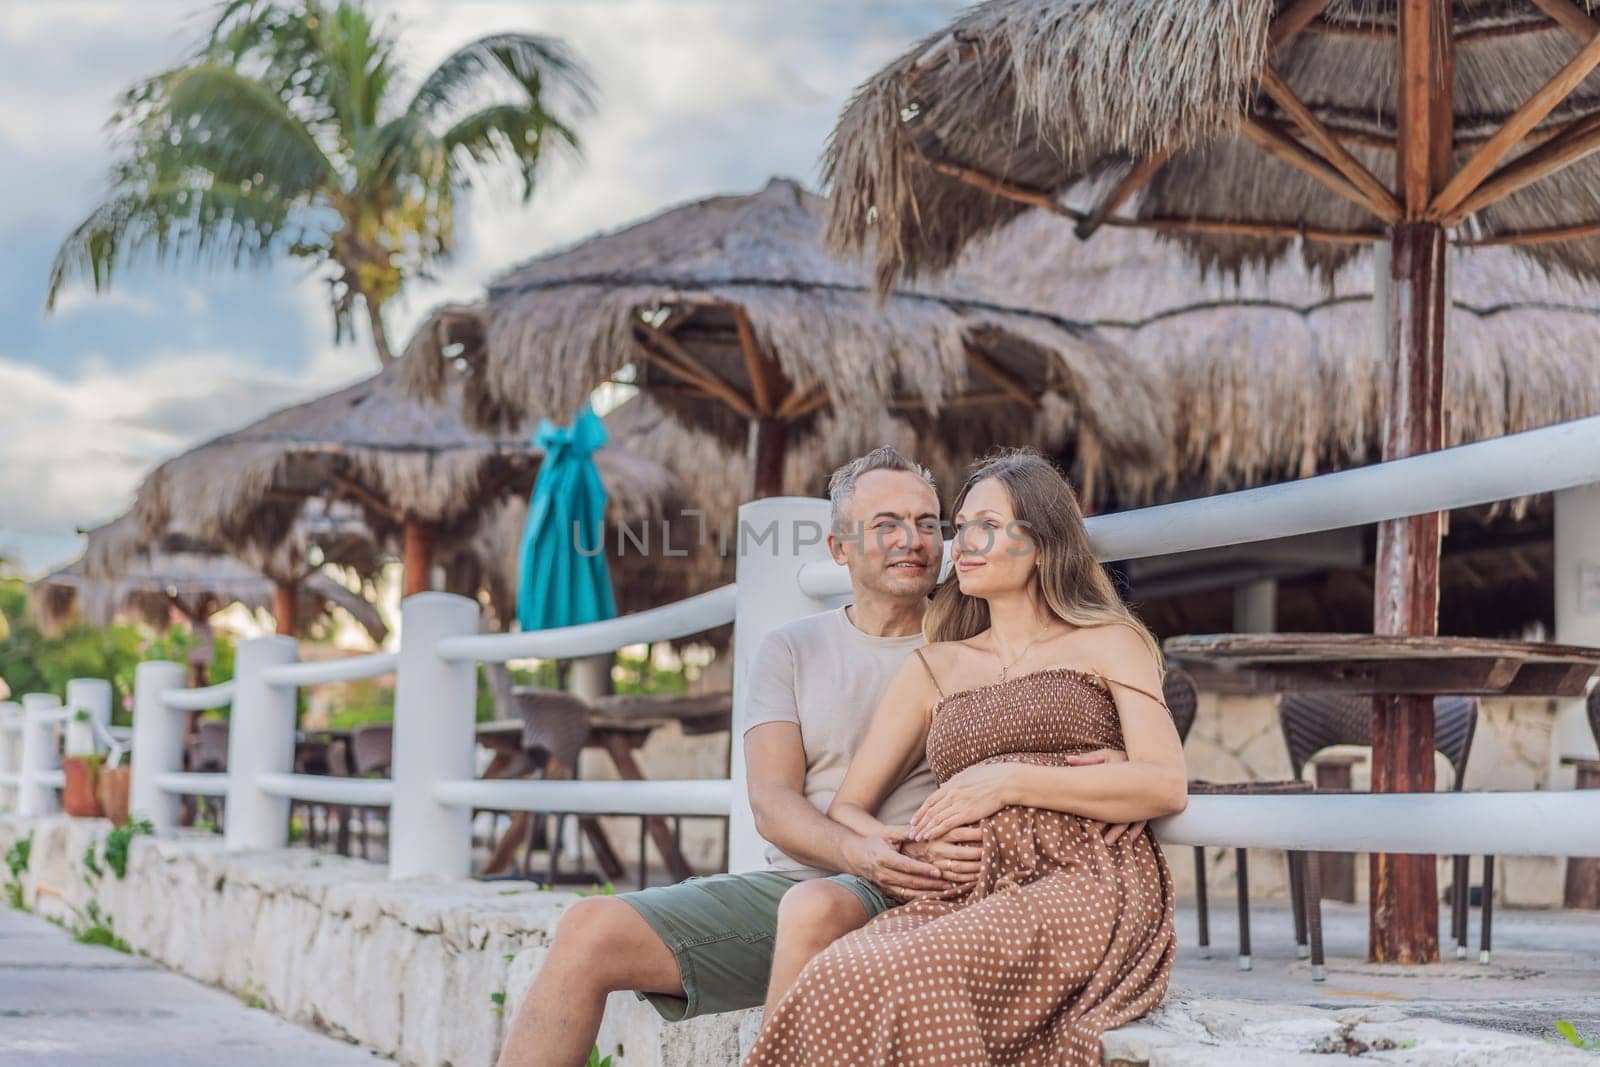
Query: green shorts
<point x="720" y="929"/>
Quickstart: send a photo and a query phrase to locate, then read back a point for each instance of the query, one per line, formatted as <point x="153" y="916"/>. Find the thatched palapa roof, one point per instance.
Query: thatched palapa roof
<point x="120" y="572"/>
<point x="730" y="311"/>
<point x="1274" y="374"/>
<point x="1244" y="129"/>
<point x="395" y="459"/>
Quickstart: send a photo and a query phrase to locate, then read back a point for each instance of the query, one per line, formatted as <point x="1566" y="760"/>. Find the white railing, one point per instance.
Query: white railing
<point x="31" y="734"/>
<point x="784" y="572"/>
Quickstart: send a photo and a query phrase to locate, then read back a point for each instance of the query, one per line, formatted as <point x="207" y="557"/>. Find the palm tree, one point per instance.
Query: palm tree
<point x="284" y="133"/>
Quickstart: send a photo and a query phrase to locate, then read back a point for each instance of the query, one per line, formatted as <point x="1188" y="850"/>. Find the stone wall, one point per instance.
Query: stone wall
<point x="412" y="969"/>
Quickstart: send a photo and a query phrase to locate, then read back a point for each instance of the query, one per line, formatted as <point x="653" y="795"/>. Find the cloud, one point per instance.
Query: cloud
<point x="698" y="97"/>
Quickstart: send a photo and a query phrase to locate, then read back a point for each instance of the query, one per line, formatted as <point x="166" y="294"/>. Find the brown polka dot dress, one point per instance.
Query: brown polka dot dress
<point x="1061" y="937"/>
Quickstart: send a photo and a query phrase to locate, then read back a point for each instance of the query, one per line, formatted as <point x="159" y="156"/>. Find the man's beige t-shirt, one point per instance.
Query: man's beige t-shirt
<point x="827" y="677"/>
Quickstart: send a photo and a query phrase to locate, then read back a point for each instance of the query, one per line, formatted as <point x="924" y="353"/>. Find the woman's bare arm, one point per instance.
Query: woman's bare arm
<point x="893" y="747"/>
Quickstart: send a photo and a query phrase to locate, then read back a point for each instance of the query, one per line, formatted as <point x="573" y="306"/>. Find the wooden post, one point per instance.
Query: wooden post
<point x="285" y="602"/>
<point x="1404" y="889"/>
<point x="417" y="556"/>
<point x="1404" y="905"/>
<point x="769" y="438"/>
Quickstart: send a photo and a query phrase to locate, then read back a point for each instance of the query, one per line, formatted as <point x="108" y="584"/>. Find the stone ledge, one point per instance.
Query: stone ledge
<point x="410" y="969"/>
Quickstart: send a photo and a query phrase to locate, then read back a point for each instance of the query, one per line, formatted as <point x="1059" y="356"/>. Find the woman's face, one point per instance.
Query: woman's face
<point x="992" y="550"/>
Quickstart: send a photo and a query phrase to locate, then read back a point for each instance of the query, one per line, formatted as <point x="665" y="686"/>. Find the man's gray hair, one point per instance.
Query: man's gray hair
<point x="842" y="485"/>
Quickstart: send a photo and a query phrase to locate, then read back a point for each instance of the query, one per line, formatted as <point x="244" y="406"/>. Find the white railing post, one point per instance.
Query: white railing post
<point x="435" y="703"/>
<point x="36" y="797"/>
<point x="777" y="536"/>
<point x="91" y="695"/>
<point x="157" y="743"/>
<point x="260" y="741"/>
<point x="10" y="750"/>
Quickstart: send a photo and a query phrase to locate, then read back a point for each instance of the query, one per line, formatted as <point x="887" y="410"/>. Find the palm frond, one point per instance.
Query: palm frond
<point x="217" y="224"/>
<point x="541" y="69"/>
<point x="509" y="133"/>
<point x="237" y="127"/>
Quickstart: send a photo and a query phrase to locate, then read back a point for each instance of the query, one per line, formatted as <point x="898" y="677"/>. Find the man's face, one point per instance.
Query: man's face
<point x="892" y="541"/>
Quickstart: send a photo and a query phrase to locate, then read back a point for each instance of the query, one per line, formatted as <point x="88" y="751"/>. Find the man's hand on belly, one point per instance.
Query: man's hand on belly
<point x="958" y="854"/>
<point x="877" y="858"/>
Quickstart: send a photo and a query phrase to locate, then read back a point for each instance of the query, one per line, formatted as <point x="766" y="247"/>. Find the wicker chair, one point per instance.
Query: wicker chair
<point x="206" y="752"/>
<point x="371" y="751"/>
<point x="1305" y="883"/>
<point x="1304" y="880"/>
<point x="1313" y="722"/>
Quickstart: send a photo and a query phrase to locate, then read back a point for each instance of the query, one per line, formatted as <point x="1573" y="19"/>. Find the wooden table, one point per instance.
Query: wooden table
<point x="617" y="726"/>
<point x="1403" y="675"/>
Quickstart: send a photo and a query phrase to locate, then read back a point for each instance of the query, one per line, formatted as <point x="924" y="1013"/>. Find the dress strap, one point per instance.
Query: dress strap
<point x="929" y="669"/>
<point x="1109" y="681"/>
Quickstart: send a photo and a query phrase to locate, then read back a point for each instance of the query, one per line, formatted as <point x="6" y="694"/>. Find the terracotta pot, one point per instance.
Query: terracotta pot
<point x="114" y="783"/>
<point x="79" y="796"/>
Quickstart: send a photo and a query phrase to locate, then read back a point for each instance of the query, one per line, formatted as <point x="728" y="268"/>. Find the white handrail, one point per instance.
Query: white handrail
<point x="203" y="699"/>
<point x="192" y="783"/>
<point x="680" y="619"/>
<point x="354" y="668"/>
<point x="1521" y="464"/>
<point x="695" y="796"/>
<point x="1545" y="823"/>
<point x="56" y="779"/>
<point x="113" y="745"/>
<point x="322" y="789"/>
<point x="11" y="778"/>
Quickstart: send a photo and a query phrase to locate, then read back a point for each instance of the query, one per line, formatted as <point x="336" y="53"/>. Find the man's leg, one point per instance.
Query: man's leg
<point x="602" y="945"/>
<point x="812" y="916"/>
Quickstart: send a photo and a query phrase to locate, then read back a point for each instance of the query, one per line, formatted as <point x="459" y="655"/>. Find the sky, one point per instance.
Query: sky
<point x="697" y="97"/>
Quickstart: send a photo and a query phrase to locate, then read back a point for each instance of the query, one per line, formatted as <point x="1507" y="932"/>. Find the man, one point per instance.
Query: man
<point x="706" y="945"/>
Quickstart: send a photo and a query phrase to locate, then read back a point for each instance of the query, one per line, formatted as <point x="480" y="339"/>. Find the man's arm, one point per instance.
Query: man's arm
<point x="775" y="766"/>
<point x="775" y="762"/>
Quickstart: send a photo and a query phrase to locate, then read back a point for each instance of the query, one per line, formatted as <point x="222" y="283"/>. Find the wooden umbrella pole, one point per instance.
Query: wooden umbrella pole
<point x="285" y="601"/>
<point x="417" y="556"/>
<point x="1404" y="889"/>
<point x="769" y="440"/>
<point x="1404" y="900"/>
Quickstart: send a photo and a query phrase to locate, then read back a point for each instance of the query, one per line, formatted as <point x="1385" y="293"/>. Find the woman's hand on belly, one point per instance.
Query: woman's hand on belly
<point x="968" y="797"/>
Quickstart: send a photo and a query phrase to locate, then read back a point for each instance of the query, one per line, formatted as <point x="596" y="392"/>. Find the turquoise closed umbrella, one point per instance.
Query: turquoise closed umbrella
<point x="562" y="575"/>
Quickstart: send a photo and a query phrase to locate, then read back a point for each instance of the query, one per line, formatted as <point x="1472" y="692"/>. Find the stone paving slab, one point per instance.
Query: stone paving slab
<point x="71" y="1005"/>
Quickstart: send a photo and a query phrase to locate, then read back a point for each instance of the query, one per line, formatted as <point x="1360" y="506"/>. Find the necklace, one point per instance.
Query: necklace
<point x="1007" y="666"/>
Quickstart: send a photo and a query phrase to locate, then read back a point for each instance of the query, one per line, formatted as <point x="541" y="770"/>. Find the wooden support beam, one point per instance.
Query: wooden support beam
<point x="672" y="356"/>
<point x="756" y="364"/>
<point x="799" y="398"/>
<point x="1577" y="141"/>
<point x="1571" y="16"/>
<point x="1044" y="201"/>
<point x="1294" y="19"/>
<point x="1014" y="386"/>
<point x="1554" y="234"/>
<point x="1276" y="142"/>
<point x="1515" y="129"/>
<point x="364" y="496"/>
<point x="1382" y="200"/>
<point x="1137" y="178"/>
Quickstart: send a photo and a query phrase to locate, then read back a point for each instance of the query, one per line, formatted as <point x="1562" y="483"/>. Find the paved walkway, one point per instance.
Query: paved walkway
<point x="71" y="1005"/>
<point x="1546" y="966"/>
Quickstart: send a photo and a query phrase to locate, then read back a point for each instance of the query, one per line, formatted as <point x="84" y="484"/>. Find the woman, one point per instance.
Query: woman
<point x="1032" y="659"/>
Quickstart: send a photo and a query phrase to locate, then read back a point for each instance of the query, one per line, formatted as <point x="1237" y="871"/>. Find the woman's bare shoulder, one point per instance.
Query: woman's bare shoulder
<point x="946" y="654"/>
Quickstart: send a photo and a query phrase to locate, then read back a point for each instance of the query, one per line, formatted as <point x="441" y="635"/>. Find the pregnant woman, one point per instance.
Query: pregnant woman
<point x="1032" y="660"/>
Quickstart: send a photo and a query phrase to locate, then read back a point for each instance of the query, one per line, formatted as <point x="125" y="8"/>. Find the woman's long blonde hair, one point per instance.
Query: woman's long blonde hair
<point x="1072" y="583"/>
